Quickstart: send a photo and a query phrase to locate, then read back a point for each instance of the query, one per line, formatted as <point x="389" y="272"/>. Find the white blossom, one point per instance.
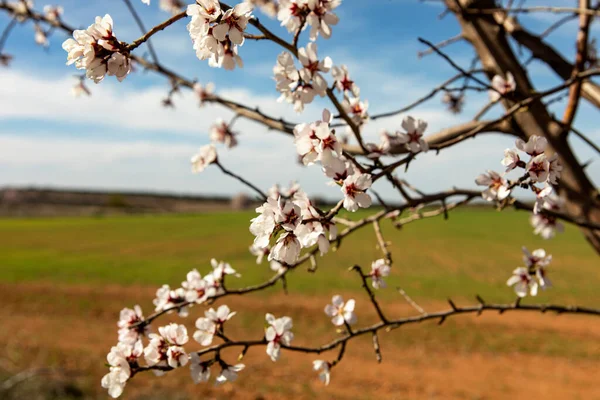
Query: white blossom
<point x="538" y="168"/>
<point x="541" y="198"/>
<point x="53" y="13"/>
<point x="545" y="225"/>
<point x="205" y="156"/>
<point x="171" y="6"/>
<point x="278" y="333"/>
<point x="554" y="169"/>
<point x="229" y="373"/>
<point x="497" y="186"/>
<point x="325" y="368"/>
<point x="196" y="288"/>
<point x="128" y="318"/>
<point x="220" y="133"/>
<point x="259" y="252"/>
<point x="210" y="324"/>
<point x="341" y="312"/>
<point x="204" y="92"/>
<point x="233" y="24"/>
<point x="262" y="226"/>
<point x="413" y="138"/>
<point x="120" y="359"/>
<point x="167" y="299"/>
<point x="321" y="17"/>
<point x="356" y="109"/>
<point x="40" y="36"/>
<point x="343" y="82"/>
<point x="537" y="258"/>
<point x="502" y="86"/>
<point x="535" y="146"/>
<point x="522" y="282"/>
<point x="511" y="159"/>
<point x="292" y="14"/>
<point x="286" y="249"/>
<point x="312" y="68"/>
<point x="354" y="189"/>
<point x="379" y="269"/>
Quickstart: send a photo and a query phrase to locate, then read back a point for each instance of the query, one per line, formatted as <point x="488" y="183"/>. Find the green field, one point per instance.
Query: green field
<point x="473" y="252"/>
<point x="67" y="278"/>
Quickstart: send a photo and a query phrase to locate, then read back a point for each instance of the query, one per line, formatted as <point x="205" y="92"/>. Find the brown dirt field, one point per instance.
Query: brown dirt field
<point x="486" y="357"/>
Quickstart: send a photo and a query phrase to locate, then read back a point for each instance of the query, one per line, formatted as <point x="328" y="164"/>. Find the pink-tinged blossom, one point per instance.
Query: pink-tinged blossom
<point x="165" y="348"/>
<point x="211" y="323"/>
<point x="259" y="252"/>
<point x="522" y="282"/>
<point x="229" y="374"/>
<point x="379" y="270"/>
<point x="502" y="86"/>
<point x="413" y="137"/>
<point x="454" y="103"/>
<point x="341" y="312"/>
<point x="233" y="24"/>
<point x="540" y="199"/>
<point x="535" y="146"/>
<point x="537" y="258"/>
<point x="204" y="92"/>
<point x="324" y="369"/>
<point x="262" y="226"/>
<point x="340" y="169"/>
<point x="511" y="159"/>
<point x="53" y="13"/>
<point x="129" y="318"/>
<point x="545" y="225"/>
<point x="356" y="109"/>
<point x="354" y="189"/>
<point x="167" y="299"/>
<point x="321" y="18"/>
<point x="220" y="133"/>
<point x="286" y="249"/>
<point x="278" y="333"/>
<point x="313" y="67"/>
<point x="196" y="288"/>
<point x="292" y="14"/>
<point x="96" y="50"/>
<point x="554" y="169"/>
<point x="343" y="82"/>
<point x="40" y="36"/>
<point x="205" y="156"/>
<point x="171" y="6"/>
<point x="120" y="359"/>
<point x="538" y="168"/>
<point x="497" y="186"/>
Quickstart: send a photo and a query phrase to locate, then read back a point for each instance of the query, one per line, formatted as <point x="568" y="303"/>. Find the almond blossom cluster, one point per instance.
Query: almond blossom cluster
<point x="318" y="142"/>
<point x="300" y="86"/>
<point x="295" y="224"/>
<point x="216" y="33"/>
<point x="527" y="280"/>
<point x="97" y="51"/>
<point x="295" y="15"/>
<point x="539" y="168"/>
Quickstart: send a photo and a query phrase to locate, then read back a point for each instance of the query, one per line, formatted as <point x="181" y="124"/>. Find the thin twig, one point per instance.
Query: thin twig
<point x="140" y="24"/>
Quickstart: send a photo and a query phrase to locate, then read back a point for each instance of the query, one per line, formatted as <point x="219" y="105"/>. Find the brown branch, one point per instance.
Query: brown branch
<point x="144" y="38"/>
<point x="440" y="45"/>
<point x="580" y="59"/>
<point x="244" y="181"/>
<point x="140" y="23"/>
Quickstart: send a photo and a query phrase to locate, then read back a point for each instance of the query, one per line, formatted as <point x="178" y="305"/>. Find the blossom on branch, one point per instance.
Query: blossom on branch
<point x="128" y="318"/>
<point x="167" y="299"/>
<point x="522" y="282"/>
<point x="341" y="313"/>
<point x="379" y="269"/>
<point x="343" y="82"/>
<point x="229" y="374"/>
<point x="501" y="86"/>
<point x="205" y="156"/>
<point x="204" y="92"/>
<point x="53" y="13"/>
<point x="325" y="369"/>
<point x="413" y="138"/>
<point x="277" y="333"/>
<point x="221" y="133"/>
<point x="120" y="359"/>
<point x="211" y="324"/>
<point x="354" y="189"/>
<point x="497" y="186"/>
<point x="98" y="51"/>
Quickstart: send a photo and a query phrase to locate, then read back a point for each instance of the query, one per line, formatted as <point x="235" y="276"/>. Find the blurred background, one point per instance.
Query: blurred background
<point x="98" y="209"/>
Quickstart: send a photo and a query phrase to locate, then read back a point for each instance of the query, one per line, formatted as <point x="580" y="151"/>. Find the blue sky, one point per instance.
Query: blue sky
<point x="122" y="138"/>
